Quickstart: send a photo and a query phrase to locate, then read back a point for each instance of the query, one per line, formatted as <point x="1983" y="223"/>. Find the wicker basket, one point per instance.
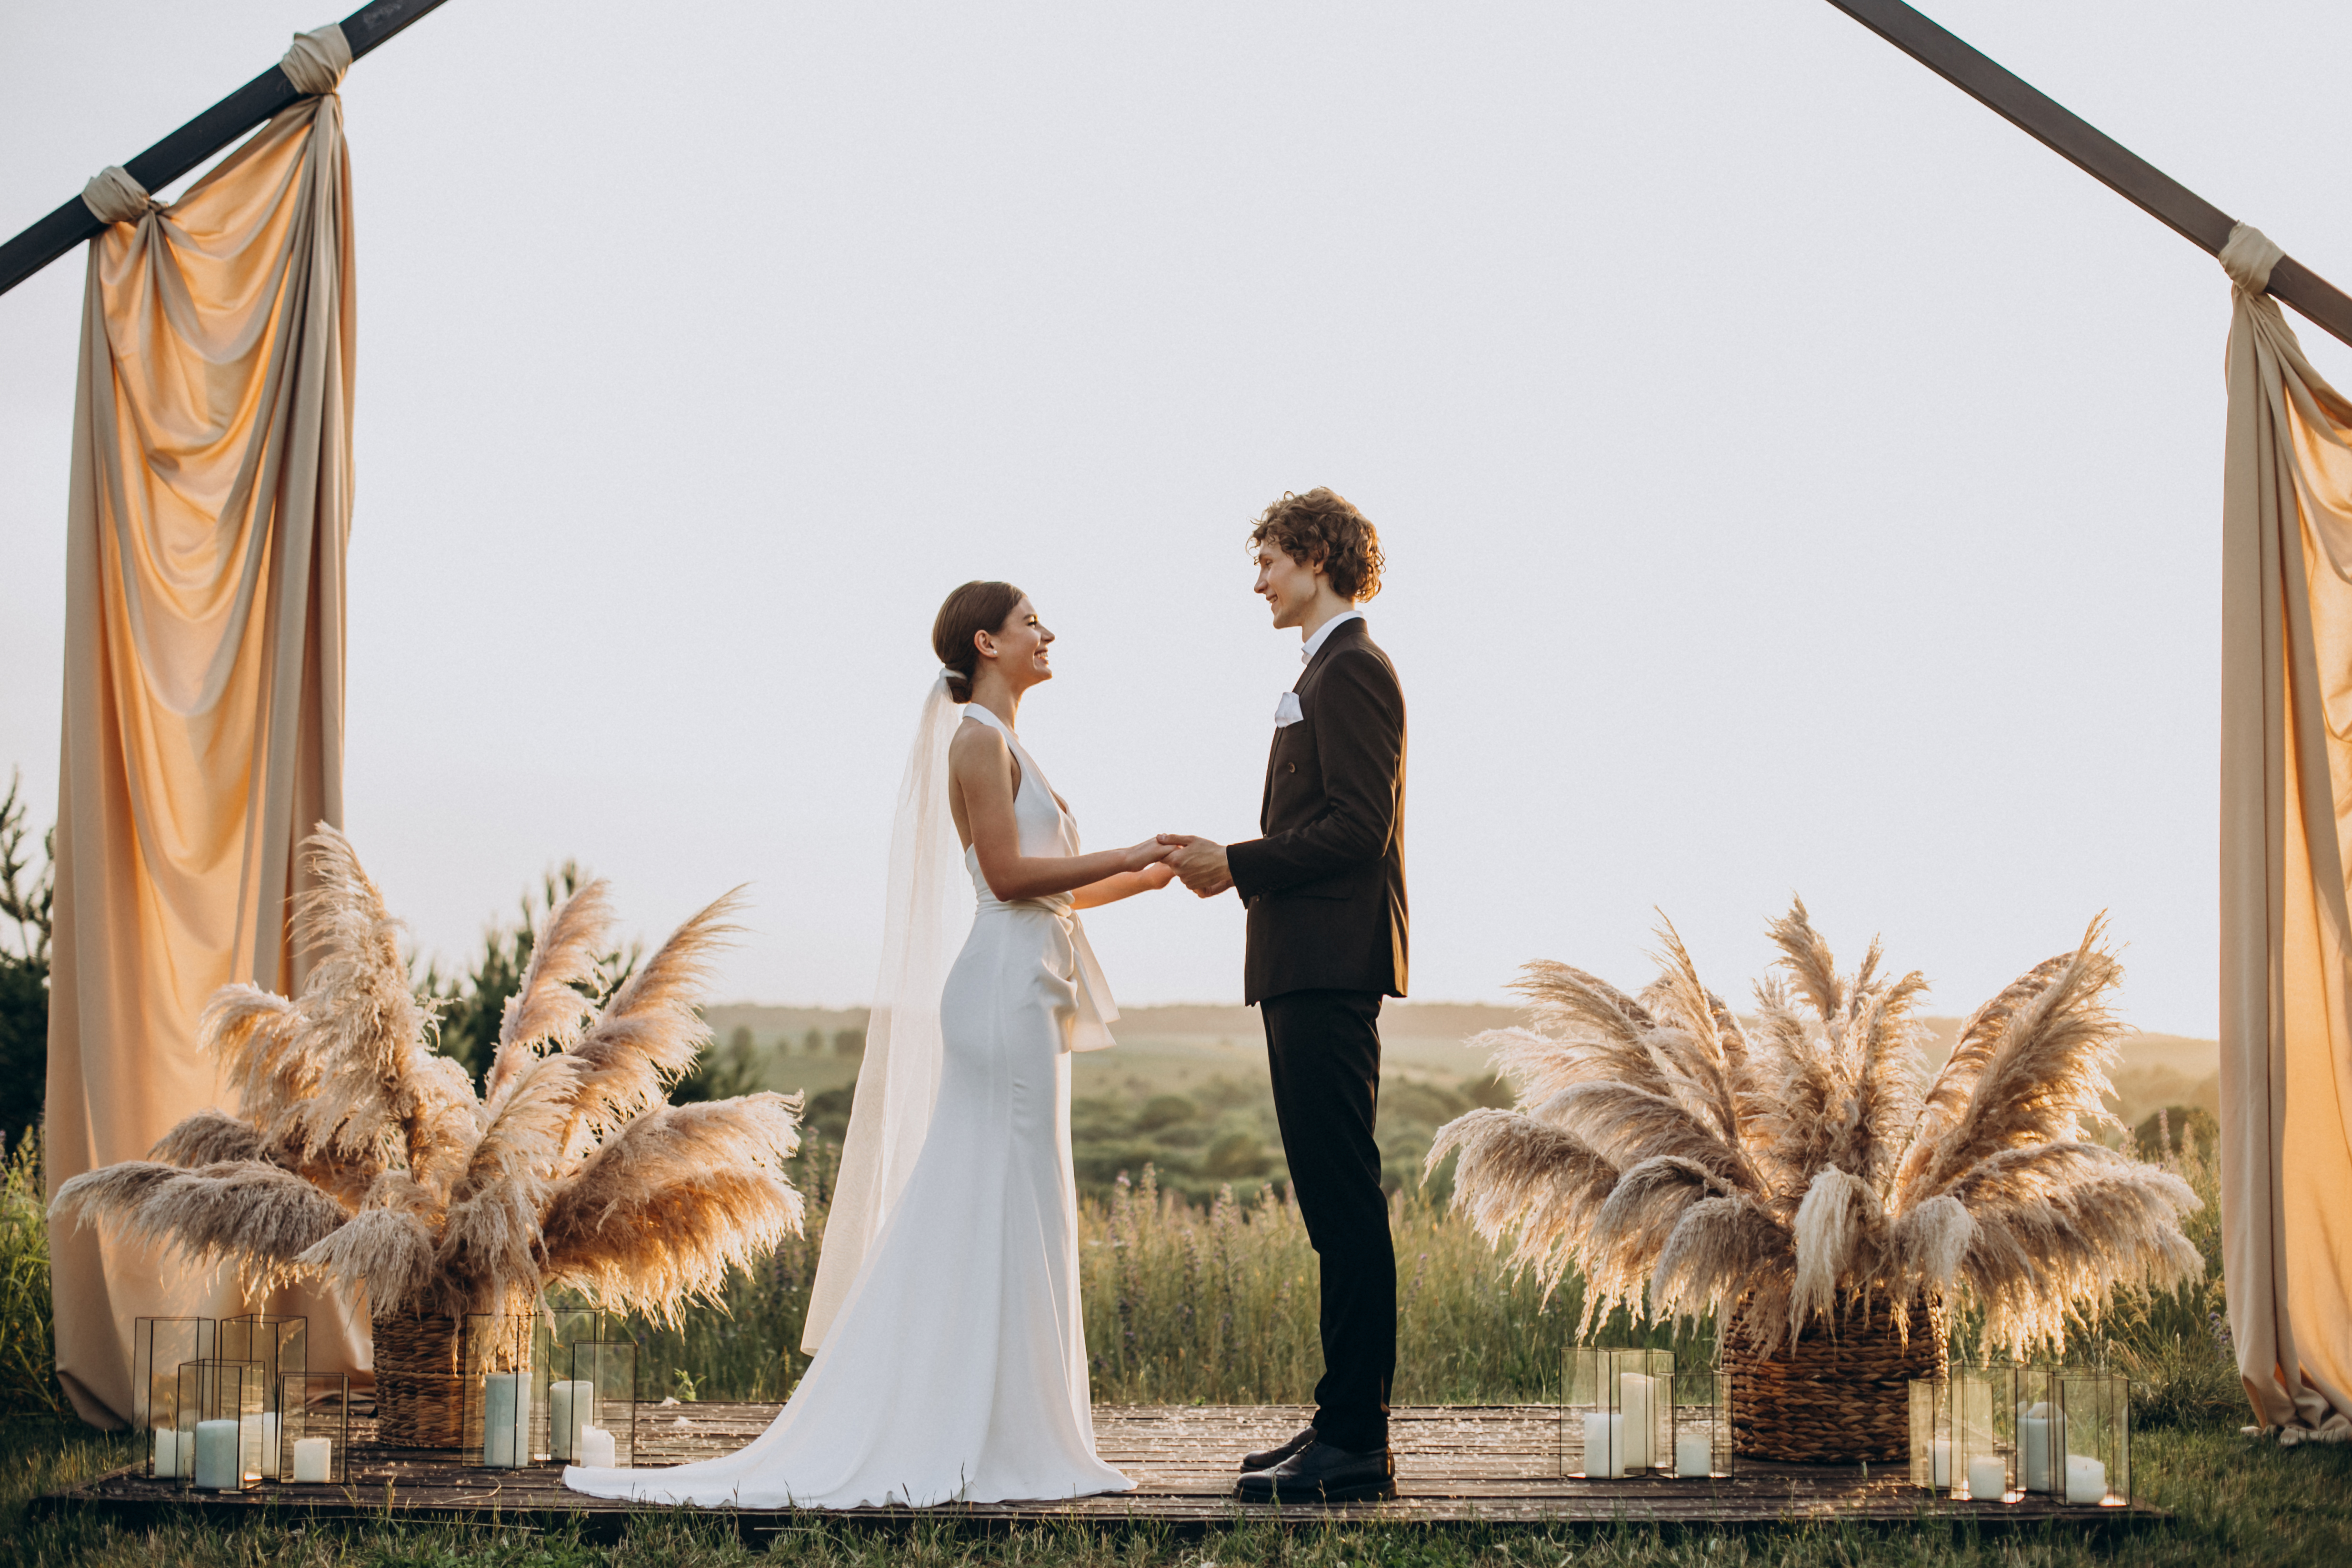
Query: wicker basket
<point x="1839" y="1394"/>
<point x="418" y="1388"/>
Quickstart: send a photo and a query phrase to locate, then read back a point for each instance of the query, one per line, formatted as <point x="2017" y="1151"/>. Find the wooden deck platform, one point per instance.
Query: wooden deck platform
<point x="1457" y="1465"/>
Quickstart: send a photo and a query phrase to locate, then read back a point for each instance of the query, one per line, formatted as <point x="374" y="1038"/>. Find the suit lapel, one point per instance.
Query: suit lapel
<point x="1339" y="633"/>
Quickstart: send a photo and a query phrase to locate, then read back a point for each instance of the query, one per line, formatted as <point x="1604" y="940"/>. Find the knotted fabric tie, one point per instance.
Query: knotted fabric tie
<point x="114" y="197"/>
<point x="2249" y="256"/>
<point x="317" y="62"/>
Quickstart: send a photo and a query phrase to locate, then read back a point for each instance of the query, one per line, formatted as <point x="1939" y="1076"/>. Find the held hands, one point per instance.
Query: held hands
<point x="1200" y="861"/>
<point x="1149" y="860"/>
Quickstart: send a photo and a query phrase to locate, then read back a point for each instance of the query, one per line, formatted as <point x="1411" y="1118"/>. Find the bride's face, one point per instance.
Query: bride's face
<point x="1020" y="646"/>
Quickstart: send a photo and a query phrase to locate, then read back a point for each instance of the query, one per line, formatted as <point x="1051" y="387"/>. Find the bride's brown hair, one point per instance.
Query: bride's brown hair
<point x="974" y="607"/>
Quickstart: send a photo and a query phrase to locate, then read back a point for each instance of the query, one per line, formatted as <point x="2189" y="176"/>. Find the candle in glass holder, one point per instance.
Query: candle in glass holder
<point x="1988" y="1477"/>
<point x="216" y="1456"/>
<point x="1604" y="1444"/>
<point x="505" y="1406"/>
<point x="314" y="1459"/>
<point x="169" y="1464"/>
<point x="2033" y="1424"/>
<point x="1694" y="1454"/>
<point x="571" y="1405"/>
<point x="1633" y="1401"/>
<point x="596" y="1448"/>
<point x="2086" y="1479"/>
<point x="1941" y="1450"/>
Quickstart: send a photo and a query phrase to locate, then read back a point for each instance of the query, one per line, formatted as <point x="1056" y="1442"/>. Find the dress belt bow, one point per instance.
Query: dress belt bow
<point x="1096" y="1011"/>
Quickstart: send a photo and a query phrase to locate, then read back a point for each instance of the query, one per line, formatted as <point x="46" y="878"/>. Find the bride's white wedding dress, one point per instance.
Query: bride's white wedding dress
<point x="955" y="1368"/>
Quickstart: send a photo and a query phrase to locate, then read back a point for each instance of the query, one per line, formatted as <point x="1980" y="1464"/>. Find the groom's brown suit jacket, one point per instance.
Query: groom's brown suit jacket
<point x="1325" y="886"/>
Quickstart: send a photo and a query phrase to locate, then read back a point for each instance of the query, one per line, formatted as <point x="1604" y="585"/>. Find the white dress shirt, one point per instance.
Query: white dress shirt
<point x="1286" y="711"/>
<point x="1314" y="646"/>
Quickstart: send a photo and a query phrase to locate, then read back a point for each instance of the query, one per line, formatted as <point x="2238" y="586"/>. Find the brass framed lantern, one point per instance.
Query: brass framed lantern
<point x="159" y="1347"/>
<point x="604" y="1404"/>
<point x="566" y="1407"/>
<point x="2094" y="1437"/>
<point x="1616" y="1417"/>
<point x="496" y="1384"/>
<point x="315" y="1429"/>
<point x="217" y="1412"/>
<point x="280" y="1347"/>
<point x="1702" y="1423"/>
<point x="1962" y="1435"/>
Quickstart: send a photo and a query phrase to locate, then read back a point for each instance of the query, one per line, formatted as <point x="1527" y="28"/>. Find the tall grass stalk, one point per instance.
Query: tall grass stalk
<point x="28" y="1374"/>
<point x="1185" y="1306"/>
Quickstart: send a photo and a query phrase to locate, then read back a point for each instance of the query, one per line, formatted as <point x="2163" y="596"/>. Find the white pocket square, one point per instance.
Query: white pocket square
<point x="1286" y="711"/>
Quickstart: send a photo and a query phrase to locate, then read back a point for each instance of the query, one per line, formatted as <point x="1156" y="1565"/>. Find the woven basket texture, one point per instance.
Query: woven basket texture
<point x="1840" y="1393"/>
<point x="418" y="1390"/>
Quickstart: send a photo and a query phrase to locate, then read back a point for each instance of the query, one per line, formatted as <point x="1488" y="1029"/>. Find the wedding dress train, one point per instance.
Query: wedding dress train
<point x="955" y="1369"/>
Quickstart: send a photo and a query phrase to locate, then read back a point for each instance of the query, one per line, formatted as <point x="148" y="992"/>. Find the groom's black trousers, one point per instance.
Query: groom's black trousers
<point x="1325" y="1051"/>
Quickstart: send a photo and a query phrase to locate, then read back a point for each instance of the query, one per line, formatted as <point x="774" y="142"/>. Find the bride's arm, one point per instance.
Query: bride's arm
<point x="1126" y="885"/>
<point x="980" y="769"/>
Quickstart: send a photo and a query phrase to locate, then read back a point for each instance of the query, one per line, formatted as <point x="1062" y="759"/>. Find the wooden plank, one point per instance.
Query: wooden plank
<point x="2092" y="151"/>
<point x="250" y="104"/>
<point x="1458" y="1466"/>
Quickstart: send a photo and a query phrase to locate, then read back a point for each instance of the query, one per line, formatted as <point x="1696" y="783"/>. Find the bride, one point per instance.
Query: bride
<point x="953" y="1359"/>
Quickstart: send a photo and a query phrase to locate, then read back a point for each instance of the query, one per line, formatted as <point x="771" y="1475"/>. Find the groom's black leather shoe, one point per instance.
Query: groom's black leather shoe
<point x="1270" y="1457"/>
<point x="1321" y="1473"/>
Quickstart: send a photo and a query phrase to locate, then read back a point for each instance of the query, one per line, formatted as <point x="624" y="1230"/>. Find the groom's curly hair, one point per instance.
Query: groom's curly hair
<point x="1322" y="530"/>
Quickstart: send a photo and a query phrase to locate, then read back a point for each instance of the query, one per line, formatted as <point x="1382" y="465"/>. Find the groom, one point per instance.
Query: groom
<point x="1325" y="890"/>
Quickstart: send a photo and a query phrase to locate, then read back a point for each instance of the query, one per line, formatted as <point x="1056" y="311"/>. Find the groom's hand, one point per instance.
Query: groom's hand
<point x="1200" y="861"/>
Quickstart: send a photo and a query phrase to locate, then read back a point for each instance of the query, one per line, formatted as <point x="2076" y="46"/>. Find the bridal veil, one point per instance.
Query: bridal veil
<point x="927" y="910"/>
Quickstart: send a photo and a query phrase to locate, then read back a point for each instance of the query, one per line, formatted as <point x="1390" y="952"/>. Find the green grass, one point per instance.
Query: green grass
<point x="2236" y="1501"/>
<point x="1215" y="1303"/>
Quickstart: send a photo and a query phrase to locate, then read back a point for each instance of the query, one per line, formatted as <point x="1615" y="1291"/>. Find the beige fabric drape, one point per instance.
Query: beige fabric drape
<point x="2286" y="841"/>
<point x="204" y="692"/>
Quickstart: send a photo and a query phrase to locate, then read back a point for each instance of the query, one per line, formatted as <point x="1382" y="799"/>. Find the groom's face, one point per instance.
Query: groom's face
<point x="1286" y="584"/>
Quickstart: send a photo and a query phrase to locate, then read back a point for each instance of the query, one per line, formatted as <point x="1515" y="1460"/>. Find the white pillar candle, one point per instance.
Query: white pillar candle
<point x="314" y="1458"/>
<point x="1633" y="1403"/>
<point x="1988" y="1477"/>
<point x="1941" y="1450"/>
<point x="1604" y="1445"/>
<point x="596" y="1448"/>
<point x="570" y="1406"/>
<point x="2033" y="1449"/>
<point x="216" y="1456"/>
<point x="169" y="1464"/>
<point x="1694" y="1454"/>
<point x="2086" y="1479"/>
<point x="260" y="1445"/>
<point x="505" y="1408"/>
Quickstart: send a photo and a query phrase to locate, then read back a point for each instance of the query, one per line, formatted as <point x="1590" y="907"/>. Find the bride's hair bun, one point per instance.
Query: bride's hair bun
<point x="973" y="608"/>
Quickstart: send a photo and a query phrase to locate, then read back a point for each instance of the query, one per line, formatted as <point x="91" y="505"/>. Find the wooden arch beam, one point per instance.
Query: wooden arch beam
<point x="199" y="138"/>
<point x="2094" y="152"/>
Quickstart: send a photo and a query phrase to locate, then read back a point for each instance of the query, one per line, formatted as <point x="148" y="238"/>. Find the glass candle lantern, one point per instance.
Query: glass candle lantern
<point x="218" y="1410"/>
<point x="1702" y="1422"/>
<point x="558" y="1413"/>
<point x="2094" y="1436"/>
<point x="603" y="1404"/>
<point x="158" y="1348"/>
<point x="280" y="1347"/>
<point x="2031" y="1400"/>
<point x="1616" y="1417"/>
<point x="315" y="1429"/>
<point x="495" y="1422"/>
<point x="1958" y="1439"/>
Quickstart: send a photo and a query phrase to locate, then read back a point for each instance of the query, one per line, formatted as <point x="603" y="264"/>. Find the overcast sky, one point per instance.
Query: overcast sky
<point x="1793" y="478"/>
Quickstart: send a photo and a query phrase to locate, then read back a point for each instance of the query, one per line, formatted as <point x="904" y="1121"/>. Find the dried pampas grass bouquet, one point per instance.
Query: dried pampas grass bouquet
<point x="359" y="1154"/>
<point x="1800" y="1174"/>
